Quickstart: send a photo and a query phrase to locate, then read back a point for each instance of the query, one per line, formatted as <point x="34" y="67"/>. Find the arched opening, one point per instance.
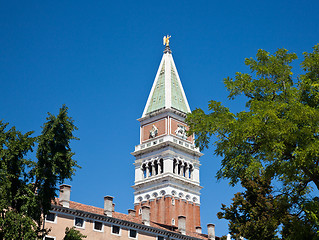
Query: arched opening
<point x="179" y="168"/>
<point x="184" y="170"/>
<point x="144" y="170"/>
<point x="174" y="165"/>
<point x="191" y="169"/>
<point x="149" y="168"/>
<point x="156" y="165"/>
<point x="161" y="166"/>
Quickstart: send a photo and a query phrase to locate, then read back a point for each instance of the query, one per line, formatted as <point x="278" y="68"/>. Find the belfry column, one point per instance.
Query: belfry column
<point x="168" y="164"/>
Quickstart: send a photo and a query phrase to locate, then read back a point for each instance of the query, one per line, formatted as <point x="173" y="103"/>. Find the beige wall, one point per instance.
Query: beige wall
<point x="63" y="221"/>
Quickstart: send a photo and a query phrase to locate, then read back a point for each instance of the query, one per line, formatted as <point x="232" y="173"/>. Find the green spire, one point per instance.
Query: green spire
<point x="177" y="100"/>
<point x="167" y="90"/>
<point x="157" y="100"/>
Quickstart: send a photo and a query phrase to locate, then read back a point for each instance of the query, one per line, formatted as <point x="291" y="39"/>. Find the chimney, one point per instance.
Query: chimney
<point x="131" y="212"/>
<point x="108" y="206"/>
<point x="146" y="211"/>
<point x="64" y="198"/>
<point x="182" y="224"/>
<point x="211" y="231"/>
<point x="198" y="229"/>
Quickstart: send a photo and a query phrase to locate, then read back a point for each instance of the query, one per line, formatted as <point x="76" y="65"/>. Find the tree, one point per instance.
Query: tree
<point x="73" y="234"/>
<point x="14" y="186"/>
<point x="255" y="213"/>
<point x="303" y="226"/>
<point x="278" y="132"/>
<point x="29" y="187"/>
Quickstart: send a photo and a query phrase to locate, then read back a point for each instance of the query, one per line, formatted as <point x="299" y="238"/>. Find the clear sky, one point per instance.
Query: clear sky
<point x="100" y="59"/>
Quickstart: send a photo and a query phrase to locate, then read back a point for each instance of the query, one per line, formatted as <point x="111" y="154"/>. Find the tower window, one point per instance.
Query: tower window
<point x="173" y="221"/>
<point x="173" y="201"/>
<point x="190" y="174"/>
<point x="174" y="165"/>
<point x="156" y="167"/>
<point x="149" y="166"/>
<point x="144" y="171"/>
<point x="161" y="166"/>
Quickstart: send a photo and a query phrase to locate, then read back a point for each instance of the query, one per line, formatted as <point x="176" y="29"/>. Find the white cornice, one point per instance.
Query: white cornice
<point x="167" y="140"/>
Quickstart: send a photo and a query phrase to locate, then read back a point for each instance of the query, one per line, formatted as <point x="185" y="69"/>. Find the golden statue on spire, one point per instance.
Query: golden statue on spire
<point x="166" y="40"/>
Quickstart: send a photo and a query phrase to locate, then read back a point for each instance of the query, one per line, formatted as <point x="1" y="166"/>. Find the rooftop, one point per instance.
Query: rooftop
<point x="79" y="209"/>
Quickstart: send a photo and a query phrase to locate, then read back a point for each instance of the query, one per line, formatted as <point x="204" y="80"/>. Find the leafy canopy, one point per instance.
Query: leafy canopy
<point x="255" y="213"/>
<point x="279" y="130"/>
<point x="278" y="133"/>
<point x="73" y="234"/>
<point x="28" y="187"/>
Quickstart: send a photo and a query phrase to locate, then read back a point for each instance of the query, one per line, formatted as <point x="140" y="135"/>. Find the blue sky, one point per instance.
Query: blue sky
<point x="100" y="59"/>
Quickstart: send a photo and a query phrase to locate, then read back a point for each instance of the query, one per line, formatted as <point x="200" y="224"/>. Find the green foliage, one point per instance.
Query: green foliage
<point x="14" y="225"/>
<point x="255" y="213"/>
<point x="27" y="188"/>
<point x="73" y="234"/>
<point x="277" y="134"/>
<point x="55" y="163"/>
<point x="303" y="226"/>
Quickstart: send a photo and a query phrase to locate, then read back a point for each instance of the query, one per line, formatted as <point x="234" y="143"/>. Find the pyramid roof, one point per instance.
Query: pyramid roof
<point x="167" y="90"/>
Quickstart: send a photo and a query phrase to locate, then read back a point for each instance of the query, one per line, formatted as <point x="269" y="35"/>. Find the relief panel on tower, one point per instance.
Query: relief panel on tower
<point x="179" y="129"/>
<point x="154" y="129"/>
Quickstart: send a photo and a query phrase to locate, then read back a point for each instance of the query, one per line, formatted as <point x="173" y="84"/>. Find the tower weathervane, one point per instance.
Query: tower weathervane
<point x="166" y="40"/>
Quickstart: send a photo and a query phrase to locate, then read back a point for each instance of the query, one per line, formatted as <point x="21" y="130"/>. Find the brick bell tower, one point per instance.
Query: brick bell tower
<point x="167" y="161"/>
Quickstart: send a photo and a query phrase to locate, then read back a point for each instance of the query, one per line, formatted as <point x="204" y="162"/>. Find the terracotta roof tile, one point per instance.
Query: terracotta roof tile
<point x="126" y="217"/>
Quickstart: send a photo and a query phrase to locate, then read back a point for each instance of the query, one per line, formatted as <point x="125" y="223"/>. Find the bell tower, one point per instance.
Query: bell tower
<point x="166" y="160"/>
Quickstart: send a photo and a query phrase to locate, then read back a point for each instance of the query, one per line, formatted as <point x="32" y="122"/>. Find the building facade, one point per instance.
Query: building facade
<point x="166" y="187"/>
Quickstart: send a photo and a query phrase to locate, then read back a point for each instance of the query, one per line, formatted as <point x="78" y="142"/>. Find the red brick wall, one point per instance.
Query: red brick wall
<point x="162" y="211"/>
<point x="174" y="124"/>
<point x="161" y="126"/>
